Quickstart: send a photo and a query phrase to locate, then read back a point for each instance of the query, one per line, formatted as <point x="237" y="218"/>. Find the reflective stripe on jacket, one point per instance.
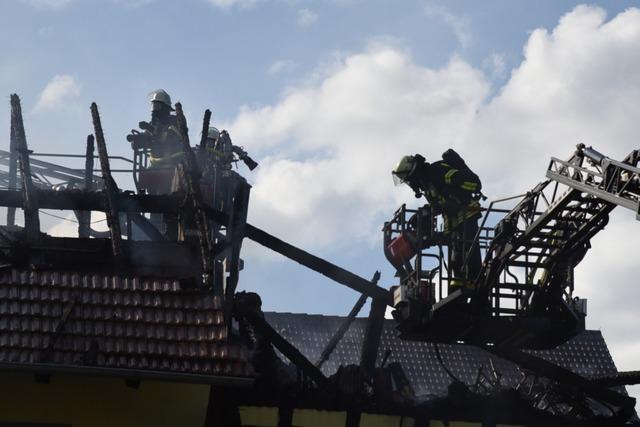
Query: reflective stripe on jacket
<point x="453" y="191"/>
<point x="166" y="149"/>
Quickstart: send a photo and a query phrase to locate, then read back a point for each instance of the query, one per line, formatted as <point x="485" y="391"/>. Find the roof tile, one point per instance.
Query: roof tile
<point x="135" y="323"/>
<point x="586" y="354"/>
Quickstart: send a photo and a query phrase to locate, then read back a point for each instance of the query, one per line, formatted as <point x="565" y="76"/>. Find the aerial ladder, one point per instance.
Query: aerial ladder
<point x="522" y="298"/>
<point x="524" y="294"/>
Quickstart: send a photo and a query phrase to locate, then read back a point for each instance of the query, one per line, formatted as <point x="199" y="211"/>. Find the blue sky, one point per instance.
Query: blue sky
<point x="327" y="95"/>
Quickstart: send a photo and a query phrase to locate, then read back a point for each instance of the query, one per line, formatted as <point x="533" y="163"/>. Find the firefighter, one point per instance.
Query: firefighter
<point x="453" y="191"/>
<point x="219" y="149"/>
<point x="160" y="136"/>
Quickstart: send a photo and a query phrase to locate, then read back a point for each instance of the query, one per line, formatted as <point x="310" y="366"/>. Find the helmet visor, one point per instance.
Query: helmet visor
<point x="397" y="180"/>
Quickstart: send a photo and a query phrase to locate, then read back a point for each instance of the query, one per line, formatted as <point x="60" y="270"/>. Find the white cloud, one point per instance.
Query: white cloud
<point x="326" y="148"/>
<point x="228" y="4"/>
<point x="338" y="138"/>
<point x="495" y="65"/>
<point x="281" y="66"/>
<point x="342" y="132"/>
<point x="459" y="25"/>
<point x="48" y="4"/>
<point x="576" y="84"/>
<point x="306" y="17"/>
<point x="59" y="92"/>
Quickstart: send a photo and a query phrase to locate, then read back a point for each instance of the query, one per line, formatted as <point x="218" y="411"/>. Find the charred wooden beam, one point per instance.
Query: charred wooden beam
<point x="235" y="234"/>
<point x="373" y="333"/>
<point x="110" y="187"/>
<point x="171" y="204"/>
<point x="94" y="201"/>
<point x="13" y="173"/>
<point x="547" y="369"/>
<point x="192" y="176"/>
<point x="31" y="218"/>
<point x="204" y="134"/>
<point x="145" y="258"/>
<point x="84" y="217"/>
<point x="344" y="327"/>
<point x="621" y="378"/>
<point x="287" y="349"/>
<point x="318" y="264"/>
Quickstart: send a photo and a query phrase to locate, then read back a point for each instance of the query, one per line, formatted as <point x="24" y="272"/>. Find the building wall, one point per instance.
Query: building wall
<point x="108" y="402"/>
<point x="100" y="402"/>
<point x="268" y="417"/>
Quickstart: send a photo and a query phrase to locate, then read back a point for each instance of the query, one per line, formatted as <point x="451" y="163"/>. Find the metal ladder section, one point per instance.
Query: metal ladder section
<point x="548" y="232"/>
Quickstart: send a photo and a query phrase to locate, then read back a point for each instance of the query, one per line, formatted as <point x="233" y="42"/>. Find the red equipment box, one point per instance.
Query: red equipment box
<point x="401" y="249"/>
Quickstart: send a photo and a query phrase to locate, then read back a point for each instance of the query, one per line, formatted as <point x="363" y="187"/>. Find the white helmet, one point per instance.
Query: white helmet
<point x="213" y="133"/>
<point x="161" y="96"/>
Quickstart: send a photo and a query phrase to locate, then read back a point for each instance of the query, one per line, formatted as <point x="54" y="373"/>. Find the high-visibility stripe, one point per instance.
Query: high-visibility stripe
<point x="220" y="154"/>
<point x="452" y="221"/>
<point x="461" y="283"/>
<point x="158" y="160"/>
<point x="470" y="186"/>
<point x="449" y="175"/>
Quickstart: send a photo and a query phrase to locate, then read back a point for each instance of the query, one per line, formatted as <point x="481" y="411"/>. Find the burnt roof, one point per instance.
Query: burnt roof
<point x="586" y="354"/>
<point x="66" y="319"/>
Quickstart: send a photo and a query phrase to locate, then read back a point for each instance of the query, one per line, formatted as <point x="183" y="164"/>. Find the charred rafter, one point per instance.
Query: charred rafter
<point x="31" y="217"/>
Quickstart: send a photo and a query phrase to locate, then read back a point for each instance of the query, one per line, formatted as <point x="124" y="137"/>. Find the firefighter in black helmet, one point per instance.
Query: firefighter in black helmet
<point x="453" y="191"/>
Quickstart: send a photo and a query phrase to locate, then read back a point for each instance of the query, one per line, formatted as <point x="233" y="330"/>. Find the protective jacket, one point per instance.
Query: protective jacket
<point x="166" y="146"/>
<point x="453" y="189"/>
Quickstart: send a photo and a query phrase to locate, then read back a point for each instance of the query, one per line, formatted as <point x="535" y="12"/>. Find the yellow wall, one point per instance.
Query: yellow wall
<point x="106" y="402"/>
<point x="101" y="402"/>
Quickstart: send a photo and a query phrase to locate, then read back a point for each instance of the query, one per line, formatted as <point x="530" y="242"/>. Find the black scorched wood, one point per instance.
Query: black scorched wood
<point x="547" y="369"/>
<point x="171" y="204"/>
<point x="235" y="234"/>
<point x="318" y="264"/>
<point x="203" y="136"/>
<point x="31" y="218"/>
<point x="84" y="218"/>
<point x="94" y="201"/>
<point x="287" y="349"/>
<point x="192" y="176"/>
<point x="344" y="327"/>
<point x="13" y="173"/>
<point x="373" y="333"/>
<point x="110" y="187"/>
<point x="621" y="378"/>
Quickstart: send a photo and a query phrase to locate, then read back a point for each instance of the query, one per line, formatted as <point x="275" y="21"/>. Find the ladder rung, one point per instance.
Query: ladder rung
<point x="543" y="245"/>
<point x="502" y="310"/>
<point x="517" y="286"/>
<point x="505" y="296"/>
<point x="528" y="256"/>
<point x="515" y="263"/>
<point x="581" y="209"/>
<point x="550" y="236"/>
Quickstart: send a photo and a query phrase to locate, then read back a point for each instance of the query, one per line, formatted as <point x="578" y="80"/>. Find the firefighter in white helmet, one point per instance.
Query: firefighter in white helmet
<point x="160" y="136"/>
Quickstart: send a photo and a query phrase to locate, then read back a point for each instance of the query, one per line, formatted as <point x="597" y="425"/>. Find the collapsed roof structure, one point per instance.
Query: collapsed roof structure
<point x="154" y="298"/>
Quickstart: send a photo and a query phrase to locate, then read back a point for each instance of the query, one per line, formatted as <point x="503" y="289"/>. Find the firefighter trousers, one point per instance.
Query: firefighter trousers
<point x="463" y="246"/>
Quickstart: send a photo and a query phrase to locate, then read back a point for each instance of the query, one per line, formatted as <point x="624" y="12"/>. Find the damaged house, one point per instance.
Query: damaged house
<point x="143" y="325"/>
